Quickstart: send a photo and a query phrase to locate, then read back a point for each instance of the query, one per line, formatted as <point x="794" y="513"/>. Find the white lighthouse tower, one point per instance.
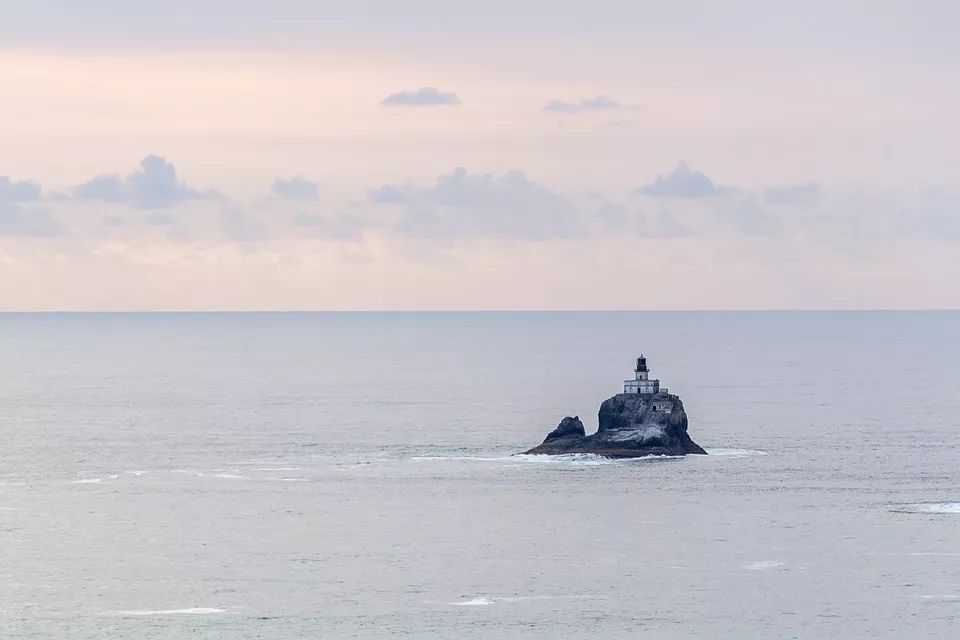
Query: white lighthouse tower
<point x="641" y="382"/>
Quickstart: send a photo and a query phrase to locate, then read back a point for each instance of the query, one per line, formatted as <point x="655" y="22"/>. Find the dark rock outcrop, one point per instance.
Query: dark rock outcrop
<point x="631" y="425"/>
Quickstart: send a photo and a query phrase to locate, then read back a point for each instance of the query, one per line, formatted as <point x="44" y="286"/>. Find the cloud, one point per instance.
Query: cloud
<point x="663" y="225"/>
<point x="682" y="182"/>
<point x="154" y="186"/>
<point x="343" y="225"/>
<point x="20" y="191"/>
<point x="424" y="97"/>
<point x="600" y="103"/>
<point x="294" y="189"/>
<point x="466" y="204"/>
<point x="801" y="194"/>
<point x="239" y="225"/>
<point x="16" y="220"/>
<point x="159" y="220"/>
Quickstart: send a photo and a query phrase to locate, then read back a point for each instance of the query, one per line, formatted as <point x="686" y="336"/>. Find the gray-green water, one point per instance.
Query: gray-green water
<point x="281" y="476"/>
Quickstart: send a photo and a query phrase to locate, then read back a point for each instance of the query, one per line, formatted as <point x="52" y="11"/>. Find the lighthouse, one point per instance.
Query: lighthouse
<point x="641" y="382"/>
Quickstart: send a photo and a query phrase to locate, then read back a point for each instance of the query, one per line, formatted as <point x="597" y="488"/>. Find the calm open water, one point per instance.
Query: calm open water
<point x="172" y="476"/>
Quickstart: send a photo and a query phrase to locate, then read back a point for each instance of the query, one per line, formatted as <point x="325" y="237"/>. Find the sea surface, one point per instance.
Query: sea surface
<point x="353" y="475"/>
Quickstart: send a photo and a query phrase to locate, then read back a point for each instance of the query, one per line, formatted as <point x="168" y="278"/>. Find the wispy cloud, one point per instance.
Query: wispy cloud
<point x="423" y="97"/>
<point x="599" y="103"/>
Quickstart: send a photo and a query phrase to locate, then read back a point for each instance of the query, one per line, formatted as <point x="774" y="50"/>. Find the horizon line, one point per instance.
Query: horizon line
<point x="412" y="311"/>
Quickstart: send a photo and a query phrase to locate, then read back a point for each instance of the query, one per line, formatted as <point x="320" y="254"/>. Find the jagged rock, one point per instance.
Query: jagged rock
<point x="567" y="427"/>
<point x="631" y="425"/>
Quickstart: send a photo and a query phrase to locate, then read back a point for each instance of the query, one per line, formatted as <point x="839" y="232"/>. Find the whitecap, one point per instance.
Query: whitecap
<point x="763" y="565"/>
<point x="166" y="612"/>
<point x="87" y="481"/>
<point x="473" y="602"/>
<point x="941" y="597"/>
<point x="740" y="453"/>
<point x="536" y="598"/>
<point x="931" y="507"/>
<point x="229" y="476"/>
<point x="137" y="473"/>
<point x="288" y="479"/>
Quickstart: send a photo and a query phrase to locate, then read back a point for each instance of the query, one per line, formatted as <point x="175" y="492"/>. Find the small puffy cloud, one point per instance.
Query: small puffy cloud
<point x="155" y="186"/>
<point x="682" y="182"/>
<point x="600" y="103"/>
<point x="18" y="191"/>
<point x="466" y="204"/>
<point x="802" y="194"/>
<point x="423" y="97"/>
<point x="294" y="189"/>
<point x="16" y="220"/>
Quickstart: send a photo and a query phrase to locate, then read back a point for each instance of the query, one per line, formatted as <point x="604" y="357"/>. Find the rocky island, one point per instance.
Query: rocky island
<point x="644" y="420"/>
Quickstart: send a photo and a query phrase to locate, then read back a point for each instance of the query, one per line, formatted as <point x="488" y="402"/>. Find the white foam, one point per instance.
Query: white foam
<point x="941" y="597"/>
<point x="137" y="473"/>
<point x="537" y="598"/>
<point x="229" y="476"/>
<point x="763" y="565"/>
<point x="278" y="469"/>
<point x="288" y="479"/>
<point x="932" y="507"/>
<point x="473" y="602"/>
<point x="582" y="459"/>
<point x="88" y="481"/>
<point x="735" y="452"/>
<point x="168" y="612"/>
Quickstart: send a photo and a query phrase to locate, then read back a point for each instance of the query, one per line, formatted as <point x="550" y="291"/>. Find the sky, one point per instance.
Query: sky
<point x="214" y="155"/>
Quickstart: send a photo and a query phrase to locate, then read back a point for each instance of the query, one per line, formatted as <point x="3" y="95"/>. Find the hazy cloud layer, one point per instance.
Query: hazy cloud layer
<point x="17" y="220"/>
<point x="159" y="219"/>
<point x="154" y="186"/>
<point x="295" y="189"/>
<point x="466" y="204"/>
<point x="600" y="103"/>
<point x="801" y="194"/>
<point x="240" y="225"/>
<point x="423" y="97"/>
<point x="346" y="224"/>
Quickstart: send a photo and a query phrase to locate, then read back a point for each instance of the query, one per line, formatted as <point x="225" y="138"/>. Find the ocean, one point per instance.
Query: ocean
<point x="354" y="475"/>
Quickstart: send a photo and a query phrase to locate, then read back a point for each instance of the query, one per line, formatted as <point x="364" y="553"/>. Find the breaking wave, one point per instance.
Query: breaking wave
<point x="473" y="602"/>
<point x="930" y="507"/>
<point x="763" y="565"/>
<point x="735" y="452"/>
<point x="168" y="612"/>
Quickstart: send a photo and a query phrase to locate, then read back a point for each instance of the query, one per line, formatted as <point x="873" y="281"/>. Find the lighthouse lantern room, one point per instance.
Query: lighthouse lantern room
<point x="642" y="382"/>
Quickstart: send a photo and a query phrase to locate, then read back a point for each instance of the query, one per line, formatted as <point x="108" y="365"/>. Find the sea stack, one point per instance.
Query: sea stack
<point x="644" y="420"/>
